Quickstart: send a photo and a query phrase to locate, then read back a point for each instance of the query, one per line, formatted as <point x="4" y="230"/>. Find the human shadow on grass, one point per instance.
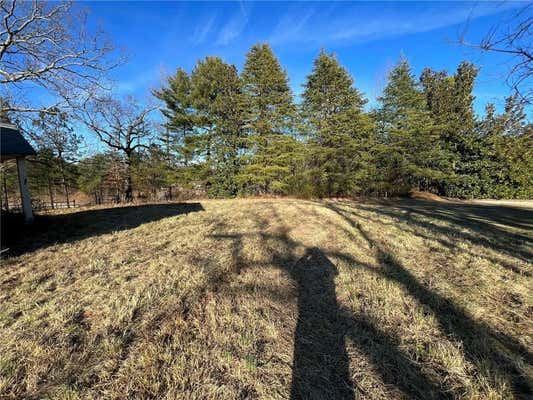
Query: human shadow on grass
<point x="494" y="353"/>
<point x="49" y="230"/>
<point x="321" y="366"/>
<point x="320" y="361"/>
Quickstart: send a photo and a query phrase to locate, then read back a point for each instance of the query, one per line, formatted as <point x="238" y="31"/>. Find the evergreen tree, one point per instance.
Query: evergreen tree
<point x="438" y="89"/>
<point x="339" y="131"/>
<point x="242" y="134"/>
<point x="412" y="156"/>
<point x="177" y="138"/>
<point x="151" y="173"/>
<point x="506" y="152"/>
<point x="56" y="134"/>
<point x="269" y="111"/>
<point x="183" y="140"/>
<point x="218" y="102"/>
<point x="461" y="139"/>
<point x="92" y="175"/>
<point x="518" y="155"/>
<point x="491" y="173"/>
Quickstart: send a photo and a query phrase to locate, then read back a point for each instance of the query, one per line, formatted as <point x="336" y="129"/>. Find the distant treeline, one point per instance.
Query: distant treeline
<point x="227" y="134"/>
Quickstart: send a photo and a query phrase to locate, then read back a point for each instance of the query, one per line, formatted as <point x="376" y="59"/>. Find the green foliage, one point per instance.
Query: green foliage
<point x="227" y="135"/>
<point x="205" y="125"/>
<point x="58" y="147"/>
<point x="460" y="136"/>
<point x="339" y="133"/>
<point x="411" y="153"/>
<point x="92" y="175"/>
<point x="151" y="171"/>
<point x="505" y="164"/>
<point x="268" y="98"/>
<point x="218" y="102"/>
<point x="268" y="116"/>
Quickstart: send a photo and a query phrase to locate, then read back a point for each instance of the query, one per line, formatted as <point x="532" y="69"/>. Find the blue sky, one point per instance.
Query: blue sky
<point x="367" y="37"/>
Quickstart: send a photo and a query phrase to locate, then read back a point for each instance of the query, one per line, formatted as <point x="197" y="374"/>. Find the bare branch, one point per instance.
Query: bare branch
<point x="46" y="44"/>
<point x="514" y="39"/>
<point x="121" y="124"/>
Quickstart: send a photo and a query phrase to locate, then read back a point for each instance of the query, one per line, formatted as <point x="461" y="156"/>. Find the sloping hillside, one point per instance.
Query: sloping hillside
<point x="270" y="299"/>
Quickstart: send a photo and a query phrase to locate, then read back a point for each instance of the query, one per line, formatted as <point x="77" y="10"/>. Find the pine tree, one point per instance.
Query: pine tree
<point x="438" y="89"/>
<point x="269" y="112"/>
<point x="177" y="100"/>
<point x="218" y="102"/>
<point x="92" y="174"/>
<point x="55" y="133"/>
<point x="412" y="156"/>
<point x="204" y="117"/>
<point x="461" y="138"/>
<point x="339" y="131"/>
<point x="507" y="152"/>
<point x="179" y="127"/>
<point x="151" y="173"/>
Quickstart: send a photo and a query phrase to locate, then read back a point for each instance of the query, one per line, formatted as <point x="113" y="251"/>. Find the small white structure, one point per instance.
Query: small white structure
<point x="14" y="146"/>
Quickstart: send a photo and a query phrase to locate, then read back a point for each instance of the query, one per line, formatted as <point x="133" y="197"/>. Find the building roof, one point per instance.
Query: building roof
<point x="12" y="143"/>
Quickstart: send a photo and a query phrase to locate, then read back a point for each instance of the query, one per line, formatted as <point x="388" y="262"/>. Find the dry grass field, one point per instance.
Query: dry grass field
<point x="270" y="299"/>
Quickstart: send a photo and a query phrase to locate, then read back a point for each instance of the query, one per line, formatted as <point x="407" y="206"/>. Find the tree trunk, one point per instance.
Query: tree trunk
<point x="128" y="192"/>
<point x="167" y="139"/>
<point x="64" y="180"/>
<point x="51" y="193"/>
<point x="66" y="192"/>
<point x="5" y="192"/>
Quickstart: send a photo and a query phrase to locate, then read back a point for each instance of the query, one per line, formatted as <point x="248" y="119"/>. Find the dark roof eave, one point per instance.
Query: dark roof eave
<point x="13" y="144"/>
<point x="5" y="157"/>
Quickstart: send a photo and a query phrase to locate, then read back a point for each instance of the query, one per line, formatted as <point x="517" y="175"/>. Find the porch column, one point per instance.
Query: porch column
<point x="24" y="193"/>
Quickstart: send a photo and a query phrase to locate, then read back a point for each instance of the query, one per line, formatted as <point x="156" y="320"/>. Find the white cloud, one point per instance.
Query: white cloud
<point x="328" y="26"/>
<point x="289" y="28"/>
<point x="234" y="27"/>
<point x="201" y="31"/>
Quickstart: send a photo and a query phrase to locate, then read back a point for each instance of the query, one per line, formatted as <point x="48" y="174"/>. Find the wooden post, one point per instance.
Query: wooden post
<point x="24" y="193"/>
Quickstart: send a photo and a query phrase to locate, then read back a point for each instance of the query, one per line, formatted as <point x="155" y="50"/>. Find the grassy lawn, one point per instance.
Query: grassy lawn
<point x="270" y="299"/>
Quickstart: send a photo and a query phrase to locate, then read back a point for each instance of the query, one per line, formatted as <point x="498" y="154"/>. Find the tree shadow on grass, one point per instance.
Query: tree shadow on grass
<point x="504" y="229"/>
<point x="49" y="230"/>
<point x="494" y="354"/>
<point x="452" y="240"/>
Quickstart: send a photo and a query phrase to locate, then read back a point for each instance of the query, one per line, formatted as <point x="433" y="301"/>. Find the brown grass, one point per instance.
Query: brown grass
<point x="270" y="299"/>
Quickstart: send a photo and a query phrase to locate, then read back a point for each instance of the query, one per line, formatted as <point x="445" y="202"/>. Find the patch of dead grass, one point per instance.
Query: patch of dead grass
<point x="421" y="301"/>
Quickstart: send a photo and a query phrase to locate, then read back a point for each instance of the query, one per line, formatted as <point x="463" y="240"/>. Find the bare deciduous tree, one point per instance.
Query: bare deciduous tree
<point x="123" y="125"/>
<point x="47" y="46"/>
<point x="515" y="39"/>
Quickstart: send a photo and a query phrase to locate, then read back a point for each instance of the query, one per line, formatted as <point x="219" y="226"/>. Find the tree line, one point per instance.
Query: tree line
<point x="236" y="133"/>
<point x="243" y="134"/>
<point x="227" y="134"/>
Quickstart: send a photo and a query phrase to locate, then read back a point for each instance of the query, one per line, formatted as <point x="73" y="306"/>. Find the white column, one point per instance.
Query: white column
<point x="24" y="193"/>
